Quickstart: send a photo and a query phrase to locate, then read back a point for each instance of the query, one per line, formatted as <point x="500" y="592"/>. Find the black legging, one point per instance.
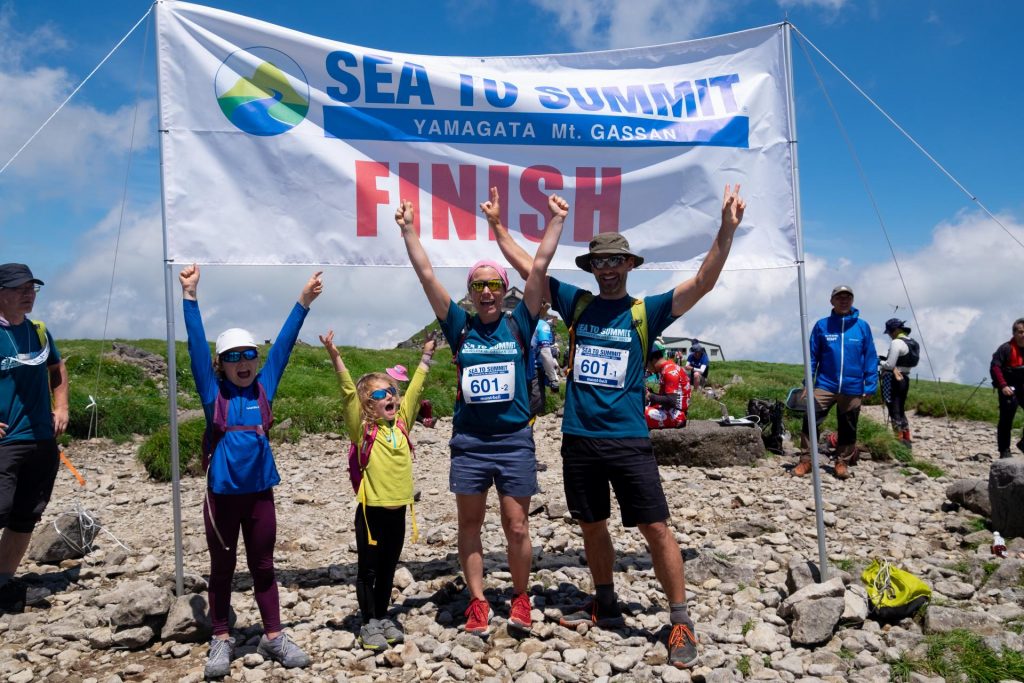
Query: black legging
<point x="1007" y="411"/>
<point x="894" y="392"/>
<point x="377" y="563"/>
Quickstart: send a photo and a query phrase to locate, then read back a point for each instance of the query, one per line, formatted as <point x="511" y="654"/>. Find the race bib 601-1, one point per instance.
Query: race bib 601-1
<point x="600" y="366"/>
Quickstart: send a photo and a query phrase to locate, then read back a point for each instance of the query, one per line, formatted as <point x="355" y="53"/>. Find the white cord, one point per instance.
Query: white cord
<point x="89" y="529"/>
<point x="75" y="91"/>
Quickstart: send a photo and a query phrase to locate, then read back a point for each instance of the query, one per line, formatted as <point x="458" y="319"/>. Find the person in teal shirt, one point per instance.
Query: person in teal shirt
<point x="492" y="436"/>
<point x="605" y="438"/>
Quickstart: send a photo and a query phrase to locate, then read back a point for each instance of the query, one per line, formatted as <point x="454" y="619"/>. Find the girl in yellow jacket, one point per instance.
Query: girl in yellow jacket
<point x="378" y="422"/>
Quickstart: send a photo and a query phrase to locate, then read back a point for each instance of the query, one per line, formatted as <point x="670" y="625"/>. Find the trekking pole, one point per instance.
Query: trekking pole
<point x="968" y="400"/>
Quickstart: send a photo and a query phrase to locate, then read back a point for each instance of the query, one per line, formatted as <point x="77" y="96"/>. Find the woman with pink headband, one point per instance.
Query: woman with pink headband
<point x="492" y="436"/>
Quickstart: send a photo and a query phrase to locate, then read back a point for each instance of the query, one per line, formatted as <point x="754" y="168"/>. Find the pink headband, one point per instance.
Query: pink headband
<point x="487" y="263"/>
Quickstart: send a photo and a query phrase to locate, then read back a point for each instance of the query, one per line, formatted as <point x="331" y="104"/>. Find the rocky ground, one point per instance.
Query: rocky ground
<point x="747" y="532"/>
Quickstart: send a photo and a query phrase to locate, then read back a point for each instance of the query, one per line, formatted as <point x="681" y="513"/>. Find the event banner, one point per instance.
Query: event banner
<point x="280" y="147"/>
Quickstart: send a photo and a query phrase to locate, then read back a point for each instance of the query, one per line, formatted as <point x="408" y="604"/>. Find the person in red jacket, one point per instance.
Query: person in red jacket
<point x="1007" y="372"/>
<point x="667" y="408"/>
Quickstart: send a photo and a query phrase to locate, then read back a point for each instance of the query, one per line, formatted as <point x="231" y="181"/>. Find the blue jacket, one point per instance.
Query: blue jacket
<point x="843" y="356"/>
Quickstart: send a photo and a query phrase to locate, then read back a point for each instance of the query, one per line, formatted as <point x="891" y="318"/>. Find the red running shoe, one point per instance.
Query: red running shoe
<point x="478" y="617"/>
<point x="519" y="618"/>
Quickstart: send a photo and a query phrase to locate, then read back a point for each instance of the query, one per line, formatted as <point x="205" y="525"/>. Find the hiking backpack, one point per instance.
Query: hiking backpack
<point x="769" y="419"/>
<point x="359" y="458"/>
<point x="216" y="429"/>
<point x="913" y="355"/>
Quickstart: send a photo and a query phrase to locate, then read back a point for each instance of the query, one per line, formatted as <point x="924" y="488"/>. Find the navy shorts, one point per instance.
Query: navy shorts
<point x="27" y="472"/>
<point x="508" y="461"/>
<point x="628" y="465"/>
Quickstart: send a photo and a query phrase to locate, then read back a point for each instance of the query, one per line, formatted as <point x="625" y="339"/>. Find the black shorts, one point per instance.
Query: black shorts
<point x="27" y="471"/>
<point x="590" y="465"/>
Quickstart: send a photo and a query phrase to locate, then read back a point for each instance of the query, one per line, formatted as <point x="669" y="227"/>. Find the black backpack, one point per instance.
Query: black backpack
<point x="913" y="355"/>
<point x="769" y="416"/>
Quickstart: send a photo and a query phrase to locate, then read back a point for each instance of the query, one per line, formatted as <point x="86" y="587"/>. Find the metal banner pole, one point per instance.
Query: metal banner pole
<point x="812" y="427"/>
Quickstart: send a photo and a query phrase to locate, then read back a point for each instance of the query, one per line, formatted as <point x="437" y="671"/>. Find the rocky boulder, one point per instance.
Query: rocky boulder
<point x="68" y="537"/>
<point x="1006" y="493"/>
<point x="705" y="443"/>
<point x="971" y="494"/>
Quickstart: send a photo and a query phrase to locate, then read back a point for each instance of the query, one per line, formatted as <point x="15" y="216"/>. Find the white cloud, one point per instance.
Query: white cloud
<point x="82" y="143"/>
<point x="603" y="24"/>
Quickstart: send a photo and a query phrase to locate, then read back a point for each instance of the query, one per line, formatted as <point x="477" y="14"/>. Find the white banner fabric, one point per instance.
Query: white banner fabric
<point x="283" y="148"/>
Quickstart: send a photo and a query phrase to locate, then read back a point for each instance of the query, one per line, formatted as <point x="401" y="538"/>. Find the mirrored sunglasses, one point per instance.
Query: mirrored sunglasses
<point x="493" y="285"/>
<point x="607" y="261"/>
<point x="235" y="356"/>
<point x="24" y="289"/>
<point x="380" y="394"/>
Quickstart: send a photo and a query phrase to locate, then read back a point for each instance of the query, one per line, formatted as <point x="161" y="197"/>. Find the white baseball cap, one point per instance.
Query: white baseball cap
<point x="235" y="338"/>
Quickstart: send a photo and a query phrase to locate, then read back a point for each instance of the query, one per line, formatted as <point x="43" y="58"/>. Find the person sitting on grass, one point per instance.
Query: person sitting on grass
<point x="667" y="407"/>
<point x="240" y="472"/>
<point x="378" y="420"/>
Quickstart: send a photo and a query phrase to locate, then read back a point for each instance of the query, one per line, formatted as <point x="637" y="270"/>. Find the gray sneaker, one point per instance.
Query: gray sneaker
<point x="218" y="662"/>
<point x="283" y="650"/>
<point x="371" y="636"/>
<point x="392" y="631"/>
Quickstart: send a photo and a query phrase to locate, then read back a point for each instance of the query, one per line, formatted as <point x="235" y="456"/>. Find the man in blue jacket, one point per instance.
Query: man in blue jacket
<point x="845" y="367"/>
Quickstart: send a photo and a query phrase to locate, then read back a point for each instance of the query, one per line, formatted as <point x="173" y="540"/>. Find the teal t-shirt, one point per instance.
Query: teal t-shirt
<point x="494" y="396"/>
<point x="25" y="388"/>
<point x="605" y="399"/>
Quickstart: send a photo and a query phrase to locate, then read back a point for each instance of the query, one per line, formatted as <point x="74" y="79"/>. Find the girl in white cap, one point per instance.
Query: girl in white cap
<point x="236" y="395"/>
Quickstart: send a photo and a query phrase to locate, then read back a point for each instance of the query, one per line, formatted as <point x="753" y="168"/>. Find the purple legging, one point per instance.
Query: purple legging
<point x="255" y="515"/>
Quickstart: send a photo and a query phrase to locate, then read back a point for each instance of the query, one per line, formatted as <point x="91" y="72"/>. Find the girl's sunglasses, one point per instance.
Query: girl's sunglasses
<point x="235" y="356"/>
<point x="380" y="394"/>
<point x="493" y="285"/>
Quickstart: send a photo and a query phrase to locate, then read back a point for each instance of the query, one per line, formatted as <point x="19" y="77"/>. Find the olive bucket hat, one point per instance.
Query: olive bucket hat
<point x="607" y="244"/>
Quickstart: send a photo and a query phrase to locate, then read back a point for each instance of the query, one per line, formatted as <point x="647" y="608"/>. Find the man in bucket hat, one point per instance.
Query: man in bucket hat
<point x="845" y="367"/>
<point x="30" y="371"/>
<point x="605" y="436"/>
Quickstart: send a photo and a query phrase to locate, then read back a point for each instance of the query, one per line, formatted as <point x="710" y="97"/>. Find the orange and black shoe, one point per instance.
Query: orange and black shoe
<point x="519" y="618"/>
<point x="682" y="647"/>
<point x="478" y="617"/>
<point x="594" y="614"/>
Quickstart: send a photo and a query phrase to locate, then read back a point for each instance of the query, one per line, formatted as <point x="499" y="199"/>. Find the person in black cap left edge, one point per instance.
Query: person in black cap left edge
<point x="33" y="413"/>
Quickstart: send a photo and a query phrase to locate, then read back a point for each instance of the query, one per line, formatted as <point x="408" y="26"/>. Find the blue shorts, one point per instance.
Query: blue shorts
<point x="508" y="461"/>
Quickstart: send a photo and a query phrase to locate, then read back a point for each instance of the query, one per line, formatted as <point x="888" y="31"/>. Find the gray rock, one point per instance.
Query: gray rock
<point x="801" y="572"/>
<point x="188" y="620"/>
<point x="815" y="620"/>
<point x="1008" y="574"/>
<point x="704" y="443"/>
<point x="134" y="601"/>
<point x="833" y="588"/>
<point x="956" y="590"/>
<point x="762" y="638"/>
<point x="971" y="494"/>
<point x="133" y="638"/>
<point x="855" y="606"/>
<point x="1006" y="493"/>
<point x="65" y="538"/>
<point x="946" y="619"/>
<point x="711" y="565"/>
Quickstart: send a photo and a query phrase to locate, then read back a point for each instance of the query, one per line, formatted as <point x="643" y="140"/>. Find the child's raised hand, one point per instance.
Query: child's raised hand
<point x="189" y="279"/>
<point x="328" y="342"/>
<point x="430" y="342"/>
<point x="312" y="289"/>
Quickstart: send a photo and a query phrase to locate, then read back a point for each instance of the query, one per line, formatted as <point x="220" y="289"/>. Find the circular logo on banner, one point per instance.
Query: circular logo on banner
<point x="262" y="91"/>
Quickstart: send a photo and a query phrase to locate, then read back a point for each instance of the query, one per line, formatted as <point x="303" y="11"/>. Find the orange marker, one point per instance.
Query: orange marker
<point x="67" y="463"/>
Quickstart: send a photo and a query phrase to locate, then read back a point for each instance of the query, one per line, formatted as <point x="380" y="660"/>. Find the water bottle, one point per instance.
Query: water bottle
<point x="998" y="545"/>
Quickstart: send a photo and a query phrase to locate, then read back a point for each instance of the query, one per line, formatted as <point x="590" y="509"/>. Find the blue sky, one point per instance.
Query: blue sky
<point x="944" y="70"/>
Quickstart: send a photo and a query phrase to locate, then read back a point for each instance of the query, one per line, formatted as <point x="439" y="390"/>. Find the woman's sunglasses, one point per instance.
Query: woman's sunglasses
<point x="235" y="356"/>
<point x="381" y="394"/>
<point x="493" y="285"/>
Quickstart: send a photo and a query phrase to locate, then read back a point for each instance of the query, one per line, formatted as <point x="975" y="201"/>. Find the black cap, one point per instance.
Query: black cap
<point x="896" y="324"/>
<point x="15" y="275"/>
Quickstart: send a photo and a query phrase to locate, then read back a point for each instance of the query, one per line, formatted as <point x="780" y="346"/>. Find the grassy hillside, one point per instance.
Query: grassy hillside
<point x="130" y="402"/>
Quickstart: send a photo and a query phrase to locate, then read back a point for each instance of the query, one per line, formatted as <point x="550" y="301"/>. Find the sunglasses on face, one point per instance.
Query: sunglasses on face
<point x="381" y="394"/>
<point x="493" y="285"/>
<point x="607" y="261"/>
<point x="24" y="289"/>
<point x="235" y="356"/>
